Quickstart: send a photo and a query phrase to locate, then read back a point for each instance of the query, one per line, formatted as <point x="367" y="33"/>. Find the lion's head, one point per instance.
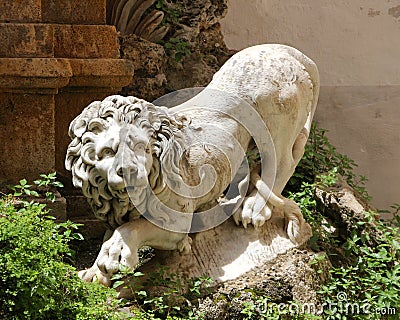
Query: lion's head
<point x="123" y="144"/>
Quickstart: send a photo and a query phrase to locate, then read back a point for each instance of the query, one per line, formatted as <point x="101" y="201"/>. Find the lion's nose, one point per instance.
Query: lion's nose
<point x="120" y="172"/>
<point x="116" y="179"/>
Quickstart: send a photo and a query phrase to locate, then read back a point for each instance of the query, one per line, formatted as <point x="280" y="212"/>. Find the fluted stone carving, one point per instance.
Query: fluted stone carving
<point x="134" y="17"/>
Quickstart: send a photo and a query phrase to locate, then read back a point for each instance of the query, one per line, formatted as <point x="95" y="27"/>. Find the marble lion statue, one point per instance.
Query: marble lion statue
<point x="147" y="170"/>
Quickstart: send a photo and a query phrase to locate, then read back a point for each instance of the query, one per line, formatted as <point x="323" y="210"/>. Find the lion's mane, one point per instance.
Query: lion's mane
<point x="115" y="206"/>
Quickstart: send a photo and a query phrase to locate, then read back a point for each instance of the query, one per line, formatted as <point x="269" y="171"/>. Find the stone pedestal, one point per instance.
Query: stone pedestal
<point x="56" y="57"/>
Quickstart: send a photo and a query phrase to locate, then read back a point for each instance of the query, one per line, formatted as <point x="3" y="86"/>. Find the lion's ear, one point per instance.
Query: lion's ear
<point x="77" y="128"/>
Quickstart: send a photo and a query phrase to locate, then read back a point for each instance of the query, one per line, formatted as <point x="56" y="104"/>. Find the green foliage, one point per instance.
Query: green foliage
<point x="371" y="278"/>
<point x="35" y="280"/>
<point x="177" y="48"/>
<point x="171" y="11"/>
<point x="253" y="158"/>
<point x="162" y="294"/>
<point x="368" y="276"/>
<point x="45" y="186"/>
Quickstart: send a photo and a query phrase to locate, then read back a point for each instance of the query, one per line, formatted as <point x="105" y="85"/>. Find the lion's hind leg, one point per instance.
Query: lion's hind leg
<point x="262" y="197"/>
<point x="294" y="221"/>
<point x="299" y="145"/>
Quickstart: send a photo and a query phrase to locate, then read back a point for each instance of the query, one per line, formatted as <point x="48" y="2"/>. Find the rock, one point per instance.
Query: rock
<point x="228" y="251"/>
<point x="288" y="278"/>
<point x="149" y="60"/>
<point x="246" y="260"/>
<point x="196" y="25"/>
<point x="343" y="208"/>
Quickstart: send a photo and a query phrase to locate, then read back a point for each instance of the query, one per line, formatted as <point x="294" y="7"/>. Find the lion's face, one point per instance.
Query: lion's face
<point x="123" y="148"/>
<point x="123" y="157"/>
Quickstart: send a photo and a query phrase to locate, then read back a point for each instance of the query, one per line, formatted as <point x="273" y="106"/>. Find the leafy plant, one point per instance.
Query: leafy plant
<point x="171" y="11"/>
<point x="177" y="48"/>
<point x="370" y="273"/>
<point x="319" y="158"/>
<point x="45" y="186"/>
<point x="35" y="280"/>
<point x="162" y="294"/>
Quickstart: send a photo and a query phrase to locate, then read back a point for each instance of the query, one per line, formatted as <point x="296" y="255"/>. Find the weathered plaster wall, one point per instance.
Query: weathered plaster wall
<point x="356" y="44"/>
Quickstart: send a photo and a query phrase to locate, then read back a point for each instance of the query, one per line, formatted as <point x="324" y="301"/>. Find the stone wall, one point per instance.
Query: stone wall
<point x="56" y="57"/>
<point x="356" y="47"/>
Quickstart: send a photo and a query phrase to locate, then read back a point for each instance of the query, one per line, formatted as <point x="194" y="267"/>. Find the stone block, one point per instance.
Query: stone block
<point x="107" y="73"/>
<point x="74" y="11"/>
<point x="91" y="228"/>
<point x="20" y="11"/>
<point x="83" y="41"/>
<point x="32" y="74"/>
<point x="78" y="207"/>
<point x="26" y="135"/>
<point x="26" y="40"/>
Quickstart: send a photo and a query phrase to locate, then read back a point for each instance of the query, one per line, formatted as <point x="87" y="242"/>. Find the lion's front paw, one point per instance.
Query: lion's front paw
<point x="115" y="253"/>
<point x="255" y="210"/>
<point x="120" y="250"/>
<point x="185" y="246"/>
<point x="94" y="274"/>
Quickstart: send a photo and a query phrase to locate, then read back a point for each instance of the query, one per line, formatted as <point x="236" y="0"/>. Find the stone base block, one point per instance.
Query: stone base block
<point x="83" y="41"/>
<point x="27" y="136"/>
<point x="229" y="251"/>
<point x="26" y="40"/>
<point x="33" y="74"/>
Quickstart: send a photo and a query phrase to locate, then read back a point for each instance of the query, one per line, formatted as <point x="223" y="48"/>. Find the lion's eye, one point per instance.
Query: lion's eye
<point x="106" y="153"/>
<point x="140" y="147"/>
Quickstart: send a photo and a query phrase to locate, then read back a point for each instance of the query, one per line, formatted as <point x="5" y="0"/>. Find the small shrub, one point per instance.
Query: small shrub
<point x="35" y="280"/>
<point x="321" y="157"/>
